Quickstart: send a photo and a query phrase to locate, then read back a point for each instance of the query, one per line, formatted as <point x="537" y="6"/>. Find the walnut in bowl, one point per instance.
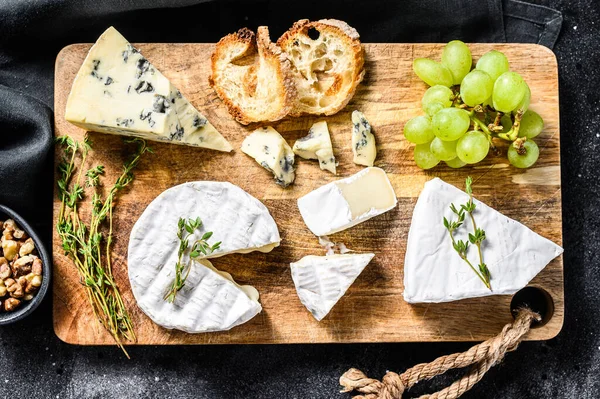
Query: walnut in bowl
<point x="24" y="267"/>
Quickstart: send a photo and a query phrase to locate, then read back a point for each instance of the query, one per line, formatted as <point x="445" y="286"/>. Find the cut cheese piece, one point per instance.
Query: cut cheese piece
<point x="322" y="280"/>
<point x="209" y="301"/>
<point x="345" y="203"/>
<point x="272" y="152"/>
<point x="434" y="272"/>
<point x="363" y="141"/>
<point x="317" y="145"/>
<point x="118" y="91"/>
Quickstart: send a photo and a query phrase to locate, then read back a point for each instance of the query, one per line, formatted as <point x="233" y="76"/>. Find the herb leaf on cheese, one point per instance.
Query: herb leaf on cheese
<point x="199" y="247"/>
<point x="476" y="238"/>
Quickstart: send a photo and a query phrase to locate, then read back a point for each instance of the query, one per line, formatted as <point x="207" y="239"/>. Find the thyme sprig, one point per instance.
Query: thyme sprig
<point x="83" y="242"/>
<point x="200" y="248"/>
<point x="475" y="238"/>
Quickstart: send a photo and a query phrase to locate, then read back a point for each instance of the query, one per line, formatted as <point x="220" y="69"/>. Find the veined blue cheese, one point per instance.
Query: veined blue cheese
<point x="363" y="140"/>
<point x="317" y="145"/>
<point x="272" y="152"/>
<point x="118" y="91"/>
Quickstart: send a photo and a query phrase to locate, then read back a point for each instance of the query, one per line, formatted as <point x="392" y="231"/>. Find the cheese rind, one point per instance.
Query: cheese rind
<point x="272" y="152"/>
<point x="363" y="140"/>
<point x="317" y="145"/>
<point x="118" y="91"/>
<point x="433" y="271"/>
<point x="322" y="280"/>
<point x="347" y="202"/>
<point x="210" y="300"/>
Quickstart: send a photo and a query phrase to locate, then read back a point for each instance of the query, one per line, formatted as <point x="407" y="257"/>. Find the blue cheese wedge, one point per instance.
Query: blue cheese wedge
<point x="210" y="300"/>
<point x="322" y="280"/>
<point x="434" y="272"/>
<point x="345" y="203"/>
<point x="118" y="91"/>
<point x="363" y="140"/>
<point x="272" y="152"/>
<point x="317" y="145"/>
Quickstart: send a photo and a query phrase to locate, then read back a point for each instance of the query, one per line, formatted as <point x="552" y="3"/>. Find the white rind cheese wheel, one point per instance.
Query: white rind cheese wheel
<point x="210" y="300"/>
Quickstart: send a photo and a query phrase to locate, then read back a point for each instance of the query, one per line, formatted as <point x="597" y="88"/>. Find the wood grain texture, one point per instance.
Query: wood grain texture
<point x="373" y="309"/>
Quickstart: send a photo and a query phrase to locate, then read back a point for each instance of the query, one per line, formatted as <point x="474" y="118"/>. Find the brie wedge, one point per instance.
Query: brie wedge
<point x="322" y="280"/>
<point x="209" y="301"/>
<point x="434" y="272"/>
<point x="118" y="91"/>
<point x="363" y="141"/>
<point x="317" y="145"/>
<point x="272" y="152"/>
<point x="345" y="203"/>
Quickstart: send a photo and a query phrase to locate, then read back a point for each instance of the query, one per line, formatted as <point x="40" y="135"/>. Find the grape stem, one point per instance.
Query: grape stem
<point x="513" y="133"/>
<point x="478" y="124"/>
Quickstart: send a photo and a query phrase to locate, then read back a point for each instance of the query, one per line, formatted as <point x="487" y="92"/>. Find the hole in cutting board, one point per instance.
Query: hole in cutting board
<point x="538" y="300"/>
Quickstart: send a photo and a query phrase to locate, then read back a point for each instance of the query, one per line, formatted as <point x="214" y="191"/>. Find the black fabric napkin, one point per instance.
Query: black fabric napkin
<point x="32" y="32"/>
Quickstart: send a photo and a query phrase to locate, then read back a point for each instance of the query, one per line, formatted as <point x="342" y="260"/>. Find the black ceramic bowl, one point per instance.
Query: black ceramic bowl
<point x="27" y="307"/>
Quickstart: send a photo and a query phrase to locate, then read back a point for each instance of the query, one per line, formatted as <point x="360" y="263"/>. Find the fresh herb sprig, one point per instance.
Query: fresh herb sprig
<point x="476" y="238"/>
<point x="199" y="247"/>
<point x="83" y="242"/>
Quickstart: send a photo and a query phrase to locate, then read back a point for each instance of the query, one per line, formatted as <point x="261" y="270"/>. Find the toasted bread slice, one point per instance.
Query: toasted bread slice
<point x="253" y="77"/>
<point x="328" y="64"/>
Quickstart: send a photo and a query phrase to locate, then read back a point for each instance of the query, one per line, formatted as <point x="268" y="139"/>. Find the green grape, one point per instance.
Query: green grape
<point x="424" y="158"/>
<point x="418" y="130"/>
<point x="506" y="123"/>
<point x="528" y="159"/>
<point x="439" y="94"/>
<point x="531" y="125"/>
<point x="456" y="56"/>
<point x="456" y="163"/>
<point x="494" y="63"/>
<point x="431" y="72"/>
<point x="476" y="88"/>
<point x="524" y="104"/>
<point x="473" y="147"/>
<point x="433" y="108"/>
<point x="443" y="150"/>
<point x="450" y="124"/>
<point x="509" y="90"/>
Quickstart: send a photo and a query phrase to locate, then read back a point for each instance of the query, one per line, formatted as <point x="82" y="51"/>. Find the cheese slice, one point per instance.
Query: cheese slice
<point x="363" y="140"/>
<point x="317" y="145"/>
<point x="433" y="271"/>
<point x="345" y="203"/>
<point x="322" y="280"/>
<point x="209" y="301"/>
<point x="272" y="152"/>
<point x="118" y="91"/>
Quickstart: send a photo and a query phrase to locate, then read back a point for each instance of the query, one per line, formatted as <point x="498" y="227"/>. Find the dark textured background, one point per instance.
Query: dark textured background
<point x="34" y="363"/>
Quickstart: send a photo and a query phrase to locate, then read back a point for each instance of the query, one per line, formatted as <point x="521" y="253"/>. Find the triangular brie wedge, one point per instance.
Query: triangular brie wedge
<point x="322" y="280"/>
<point x="118" y="91"/>
<point x="209" y="301"/>
<point x="434" y="272"/>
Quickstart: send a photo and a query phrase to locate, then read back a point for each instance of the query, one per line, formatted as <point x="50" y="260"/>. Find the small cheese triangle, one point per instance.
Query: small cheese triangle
<point x="322" y="280"/>
<point x="118" y="91"/>
<point x="434" y="272"/>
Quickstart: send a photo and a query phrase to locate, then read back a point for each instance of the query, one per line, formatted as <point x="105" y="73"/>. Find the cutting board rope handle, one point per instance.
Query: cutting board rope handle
<point x="480" y="357"/>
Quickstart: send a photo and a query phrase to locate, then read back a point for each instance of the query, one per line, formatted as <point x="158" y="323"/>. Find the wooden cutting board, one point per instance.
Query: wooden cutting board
<point x="373" y="309"/>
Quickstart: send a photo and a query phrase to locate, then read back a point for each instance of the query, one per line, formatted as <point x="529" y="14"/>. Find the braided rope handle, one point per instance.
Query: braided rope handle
<point x="480" y="357"/>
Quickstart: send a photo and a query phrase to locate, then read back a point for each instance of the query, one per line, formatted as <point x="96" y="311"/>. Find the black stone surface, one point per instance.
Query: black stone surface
<point x="36" y="364"/>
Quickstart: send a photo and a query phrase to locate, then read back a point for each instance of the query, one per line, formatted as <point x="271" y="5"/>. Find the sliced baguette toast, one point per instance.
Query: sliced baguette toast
<point x="328" y="64"/>
<point x="253" y="77"/>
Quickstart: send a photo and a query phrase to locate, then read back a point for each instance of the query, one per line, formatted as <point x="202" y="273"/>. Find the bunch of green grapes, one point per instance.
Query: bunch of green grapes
<point x="467" y="108"/>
